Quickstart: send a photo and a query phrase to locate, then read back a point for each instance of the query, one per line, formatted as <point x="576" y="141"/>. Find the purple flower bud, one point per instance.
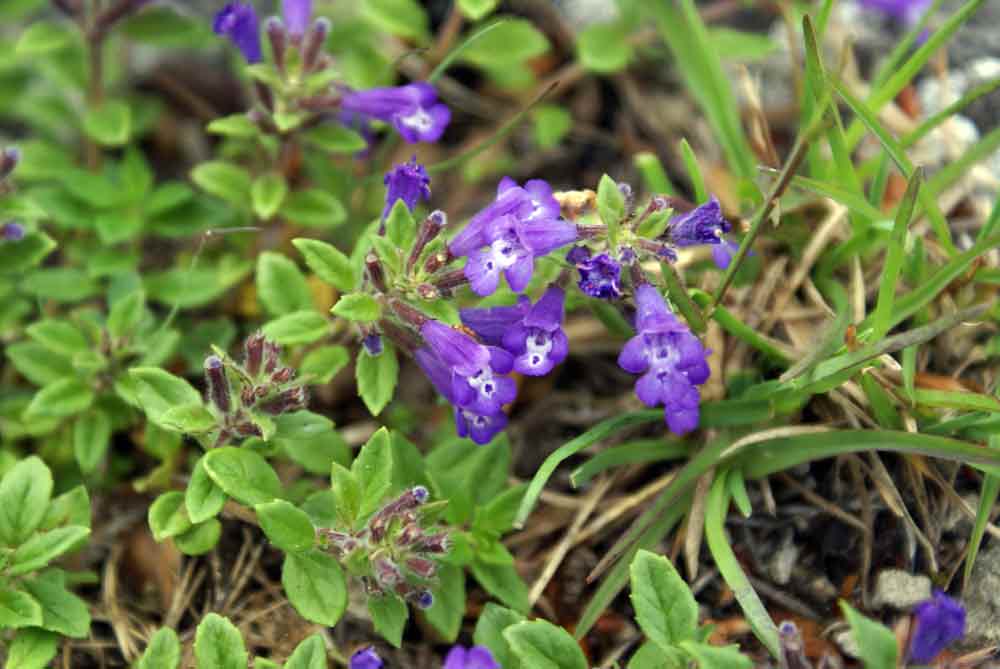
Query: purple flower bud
<point x="600" y="275"/>
<point x="373" y="344"/>
<point x="238" y="21"/>
<point x="278" y="37"/>
<point x="702" y="225"/>
<point x="627" y="256"/>
<point x="422" y="567"/>
<point x="670" y="359"/>
<point x="792" y="648"/>
<point x="477" y="657"/>
<point x="434" y="543"/>
<point x="387" y="573"/>
<point x="253" y="351"/>
<point x="429" y="230"/>
<point x="939" y="621"/>
<point x="904" y="11"/>
<point x="425" y="599"/>
<point x="218" y="384"/>
<point x="292" y="399"/>
<point x="283" y="375"/>
<point x="420" y="494"/>
<point x="9" y="159"/>
<point x="272" y="356"/>
<point x="413" y="110"/>
<point x="408" y="182"/>
<point x="366" y="658"/>
<point x="13" y="231"/>
<point x="315" y="40"/>
<point x="297" y="15"/>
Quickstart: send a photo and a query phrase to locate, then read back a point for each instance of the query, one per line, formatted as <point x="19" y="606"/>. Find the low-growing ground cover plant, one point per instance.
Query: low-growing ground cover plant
<point x="449" y="334"/>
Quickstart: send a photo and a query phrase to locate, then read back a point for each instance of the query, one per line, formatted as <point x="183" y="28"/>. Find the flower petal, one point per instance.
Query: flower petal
<point x="483" y="272"/>
<point x="543" y="236"/>
<point x="634" y="357"/>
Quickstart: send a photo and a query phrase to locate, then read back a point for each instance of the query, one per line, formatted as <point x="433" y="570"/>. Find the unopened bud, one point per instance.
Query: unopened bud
<point x="278" y="36"/>
<point x="425" y="599"/>
<point x="437" y="261"/>
<point x="13" y="231"/>
<point x="387" y="573"/>
<point x="792" y="649"/>
<point x="292" y="399"/>
<point x="428" y="231"/>
<point x="283" y="375"/>
<point x="272" y="355"/>
<point x="373" y="344"/>
<point x="9" y="158"/>
<point x="434" y="543"/>
<point x="248" y="429"/>
<point x="629" y="197"/>
<point x="254" y="353"/>
<point x="218" y="384"/>
<point x="312" y="45"/>
<point x="451" y="280"/>
<point x="375" y="273"/>
<point x="422" y="567"/>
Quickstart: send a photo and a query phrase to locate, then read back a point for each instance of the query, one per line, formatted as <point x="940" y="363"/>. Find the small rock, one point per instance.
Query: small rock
<point x="845" y="641"/>
<point x="900" y="590"/>
<point x="780" y="565"/>
<point x="982" y="600"/>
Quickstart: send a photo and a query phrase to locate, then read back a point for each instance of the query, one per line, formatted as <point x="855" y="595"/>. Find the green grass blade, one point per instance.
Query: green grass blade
<point x="955" y="108"/>
<point x="857" y="204"/>
<point x="894" y="258"/>
<point x="654" y="177"/>
<point x="987" y="499"/>
<point x="681" y="299"/>
<point x="952" y="399"/>
<point x="729" y="567"/>
<point x="631" y="453"/>
<point x="452" y="55"/>
<point x="694" y="172"/>
<point x="698" y="62"/>
<point x="600" y="431"/>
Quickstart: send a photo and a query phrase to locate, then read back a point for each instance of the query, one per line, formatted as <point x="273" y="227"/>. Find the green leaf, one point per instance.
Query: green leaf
<point x="298" y="327"/>
<point x="876" y="642"/>
<point x="188" y="419"/>
<point x="610" y="206"/>
<point x="552" y="124"/>
<point x="42" y="38"/>
<point x="492" y="622"/>
<point x="310" y="440"/>
<point x="741" y="46"/>
<point x="315" y="586"/>
<point x="503" y="582"/>
<point x="126" y="314"/>
<point x="373" y="471"/>
<point x="321" y="364"/>
<point x="448" y="609"/>
<point x="405" y="18"/>
<point x="224" y="180"/>
<point x="163" y="651"/>
<point x="358" y="307"/>
<point x="716" y="657"/>
<point x="200" y="539"/>
<point x="335" y="138"/>
<point x="328" y="263"/>
<point x="389" y="614"/>
<point x="244" y="475"/>
<point x="70" y="508"/>
<point x="37" y="364"/>
<point x="268" y="192"/>
<point x="653" y="656"/>
<point x="347" y="492"/>
<point x="158" y="391"/>
<point x="203" y="498"/>
<point x="314" y="208"/>
<point x="219" y="645"/>
<point x="29" y="251"/>
<point x="237" y="125"/>
<point x="33" y="648"/>
<point x="44" y="547"/>
<point x="474" y="10"/>
<point x="62" y="611"/>
<point x="541" y="645"/>
<point x="168" y="516"/>
<point x="286" y="526"/>
<point x="281" y="286"/>
<point x="25" y="492"/>
<point x="65" y="397"/>
<point x="310" y="654"/>
<point x="58" y="336"/>
<point x="604" y="47"/>
<point x="377" y="377"/>
<point x="109" y="124"/>
<point x="664" y="606"/>
<point x="19" y="609"/>
<point x="511" y="42"/>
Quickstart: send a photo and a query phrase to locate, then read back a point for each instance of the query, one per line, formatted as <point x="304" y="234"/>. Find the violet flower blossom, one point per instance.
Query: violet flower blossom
<point x="12" y="231"/>
<point x="532" y="334"/>
<point x="366" y="658"/>
<point x="408" y="182"/>
<point x="907" y="12"/>
<point x="470" y="376"/>
<point x="297" y="15"/>
<point x="477" y="657"/>
<point x="507" y="236"/>
<point x="704" y="225"/>
<point x="600" y="275"/>
<point x="939" y="621"/>
<point x="413" y="110"/>
<point x="238" y="21"/>
<point x="670" y="359"/>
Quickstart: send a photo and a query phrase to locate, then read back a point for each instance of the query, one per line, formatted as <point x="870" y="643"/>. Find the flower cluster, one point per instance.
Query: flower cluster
<point x="259" y="385"/>
<point x="413" y="110"/>
<point x="459" y="657"/>
<point x="937" y="622"/>
<point x="394" y="552"/>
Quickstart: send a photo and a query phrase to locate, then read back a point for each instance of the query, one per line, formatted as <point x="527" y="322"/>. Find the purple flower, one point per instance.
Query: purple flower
<point x="238" y="21"/>
<point x="532" y="334"/>
<point x="366" y="658"/>
<point x="939" y="621"/>
<point x="702" y="225"/>
<point x="481" y="428"/>
<point x="407" y="182"/>
<point x="413" y="110"/>
<point x="600" y="275"/>
<point x="905" y="11"/>
<point x="373" y="344"/>
<point x="297" y="15"/>
<point x="670" y="359"/>
<point x="507" y="236"/>
<point x="477" y="657"/>
<point x="12" y="231"/>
